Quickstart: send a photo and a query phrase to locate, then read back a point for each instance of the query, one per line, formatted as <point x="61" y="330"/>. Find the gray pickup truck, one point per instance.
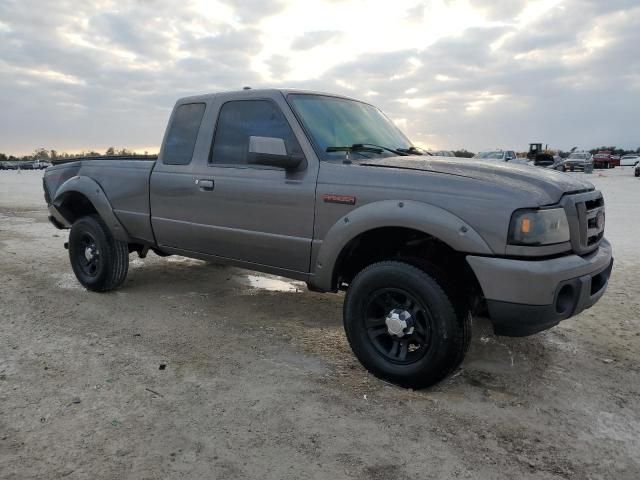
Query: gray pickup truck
<point x="325" y="189"/>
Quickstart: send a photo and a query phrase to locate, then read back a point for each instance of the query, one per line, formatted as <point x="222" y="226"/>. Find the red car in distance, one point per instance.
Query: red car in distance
<point x="604" y="159"/>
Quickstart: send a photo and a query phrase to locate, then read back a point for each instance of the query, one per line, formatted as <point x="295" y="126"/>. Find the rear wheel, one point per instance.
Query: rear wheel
<point x="403" y="327"/>
<point x="99" y="261"/>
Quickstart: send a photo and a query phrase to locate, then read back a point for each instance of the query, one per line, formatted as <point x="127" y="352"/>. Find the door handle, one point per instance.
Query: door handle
<point x="204" y="185"/>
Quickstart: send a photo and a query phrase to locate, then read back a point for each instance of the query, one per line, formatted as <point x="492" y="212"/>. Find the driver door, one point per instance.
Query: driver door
<point x="254" y="213"/>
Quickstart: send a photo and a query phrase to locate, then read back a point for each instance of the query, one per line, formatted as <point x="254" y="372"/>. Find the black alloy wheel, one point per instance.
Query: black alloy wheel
<point x="394" y="310"/>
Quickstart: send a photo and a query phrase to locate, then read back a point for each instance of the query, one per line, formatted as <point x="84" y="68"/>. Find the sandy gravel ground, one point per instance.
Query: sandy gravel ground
<point x="258" y="381"/>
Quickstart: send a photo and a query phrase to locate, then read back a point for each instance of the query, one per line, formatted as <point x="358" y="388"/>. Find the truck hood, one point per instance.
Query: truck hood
<point x="548" y="186"/>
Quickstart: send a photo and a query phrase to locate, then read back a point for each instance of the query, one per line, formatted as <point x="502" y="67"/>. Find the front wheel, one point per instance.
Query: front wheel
<point x="99" y="261"/>
<point x="403" y="327"/>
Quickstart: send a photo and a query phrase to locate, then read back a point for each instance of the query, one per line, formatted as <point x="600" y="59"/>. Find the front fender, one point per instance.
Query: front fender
<point x="432" y="220"/>
<point x="94" y="193"/>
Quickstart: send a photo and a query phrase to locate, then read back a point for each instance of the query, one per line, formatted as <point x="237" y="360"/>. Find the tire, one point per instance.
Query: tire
<point x="99" y="261"/>
<point x="436" y="333"/>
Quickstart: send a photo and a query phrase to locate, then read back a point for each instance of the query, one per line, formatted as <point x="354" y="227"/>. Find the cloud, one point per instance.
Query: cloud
<point x="567" y="78"/>
<point x="475" y="73"/>
<point x="309" y="40"/>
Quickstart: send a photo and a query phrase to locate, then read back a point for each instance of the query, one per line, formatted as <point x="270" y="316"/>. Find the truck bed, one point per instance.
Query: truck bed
<point x="124" y="179"/>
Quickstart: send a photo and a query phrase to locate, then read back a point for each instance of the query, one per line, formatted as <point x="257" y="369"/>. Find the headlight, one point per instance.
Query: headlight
<point x="539" y="227"/>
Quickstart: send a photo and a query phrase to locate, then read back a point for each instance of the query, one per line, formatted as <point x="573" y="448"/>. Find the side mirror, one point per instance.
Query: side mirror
<point x="272" y="151"/>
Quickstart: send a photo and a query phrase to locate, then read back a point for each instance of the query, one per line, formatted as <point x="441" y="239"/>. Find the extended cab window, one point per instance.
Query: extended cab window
<point x="181" y="139"/>
<point x="240" y="119"/>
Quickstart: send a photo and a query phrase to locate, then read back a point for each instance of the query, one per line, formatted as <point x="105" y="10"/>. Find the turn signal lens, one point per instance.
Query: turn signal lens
<point x="539" y="227"/>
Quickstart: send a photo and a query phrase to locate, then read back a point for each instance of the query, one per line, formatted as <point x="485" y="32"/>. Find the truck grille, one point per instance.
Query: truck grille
<point x="585" y="213"/>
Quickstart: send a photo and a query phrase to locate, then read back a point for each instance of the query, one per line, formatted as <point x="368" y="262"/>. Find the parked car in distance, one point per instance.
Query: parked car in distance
<point x="500" y="155"/>
<point x="630" y="160"/>
<point x="325" y="189"/>
<point x="442" y="153"/>
<point x="28" y="165"/>
<point x="602" y="159"/>
<point x="577" y="161"/>
<point x="32" y="165"/>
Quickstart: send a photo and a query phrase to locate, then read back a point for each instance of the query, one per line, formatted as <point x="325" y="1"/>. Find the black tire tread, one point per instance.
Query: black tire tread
<point x="119" y="252"/>
<point x="451" y="289"/>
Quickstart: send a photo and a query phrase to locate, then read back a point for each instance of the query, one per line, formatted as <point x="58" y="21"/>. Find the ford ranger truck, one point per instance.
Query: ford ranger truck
<point x="325" y="189"/>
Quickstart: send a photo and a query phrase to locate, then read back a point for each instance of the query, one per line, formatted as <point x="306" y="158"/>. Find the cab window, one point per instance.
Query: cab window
<point x="240" y="119"/>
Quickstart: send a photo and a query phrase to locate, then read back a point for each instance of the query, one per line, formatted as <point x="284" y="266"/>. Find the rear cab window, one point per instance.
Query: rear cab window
<point x="182" y="134"/>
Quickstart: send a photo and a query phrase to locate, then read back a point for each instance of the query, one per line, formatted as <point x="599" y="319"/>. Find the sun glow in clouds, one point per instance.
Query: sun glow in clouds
<point x="483" y="99"/>
<point x="360" y="30"/>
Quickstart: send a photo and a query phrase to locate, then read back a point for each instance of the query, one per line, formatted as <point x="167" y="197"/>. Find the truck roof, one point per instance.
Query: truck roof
<point x="252" y="92"/>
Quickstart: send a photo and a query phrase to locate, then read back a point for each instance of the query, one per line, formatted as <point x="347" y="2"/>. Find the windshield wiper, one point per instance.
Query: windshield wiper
<point x="412" y="150"/>
<point x="354" y="148"/>
<point x="365" y="147"/>
<point x="395" y="151"/>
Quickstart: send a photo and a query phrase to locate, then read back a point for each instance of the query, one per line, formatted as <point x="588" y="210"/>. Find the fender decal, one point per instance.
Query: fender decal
<point x="341" y="199"/>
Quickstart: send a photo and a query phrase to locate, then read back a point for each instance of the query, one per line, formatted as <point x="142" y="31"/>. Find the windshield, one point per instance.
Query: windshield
<point x="490" y="155"/>
<point x="339" y="122"/>
<point x="581" y="156"/>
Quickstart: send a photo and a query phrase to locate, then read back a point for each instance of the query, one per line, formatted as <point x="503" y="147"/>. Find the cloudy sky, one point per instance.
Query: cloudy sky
<point x="471" y="73"/>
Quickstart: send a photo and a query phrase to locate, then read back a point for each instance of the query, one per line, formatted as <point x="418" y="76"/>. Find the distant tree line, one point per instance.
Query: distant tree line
<point x="615" y="150"/>
<point x="44" y="155"/>
<point x="463" y="153"/>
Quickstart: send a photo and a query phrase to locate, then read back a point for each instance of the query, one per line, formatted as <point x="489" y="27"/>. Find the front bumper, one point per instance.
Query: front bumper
<point x="528" y="296"/>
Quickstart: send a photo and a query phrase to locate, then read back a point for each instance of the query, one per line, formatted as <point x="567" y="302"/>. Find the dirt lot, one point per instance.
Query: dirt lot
<point x="259" y="382"/>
